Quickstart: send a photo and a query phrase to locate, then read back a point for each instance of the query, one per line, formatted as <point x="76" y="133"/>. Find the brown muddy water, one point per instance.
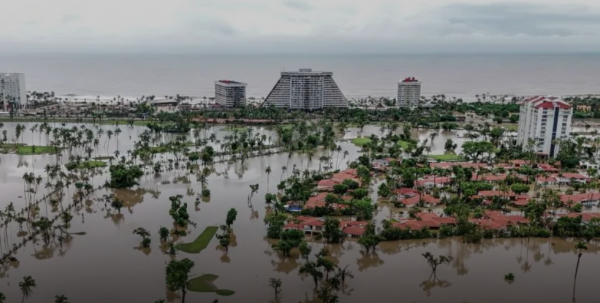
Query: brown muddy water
<point x="104" y="266"/>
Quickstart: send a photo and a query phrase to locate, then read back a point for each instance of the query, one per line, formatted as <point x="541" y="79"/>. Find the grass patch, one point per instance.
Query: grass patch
<point x="403" y="144"/>
<point x="448" y="157"/>
<point x="512" y="127"/>
<point x="361" y="141"/>
<point x="205" y="283"/>
<point x="85" y="165"/>
<point x="35" y="150"/>
<point x="287" y="126"/>
<point x="104" y="158"/>
<point x="200" y="243"/>
<point x="237" y="129"/>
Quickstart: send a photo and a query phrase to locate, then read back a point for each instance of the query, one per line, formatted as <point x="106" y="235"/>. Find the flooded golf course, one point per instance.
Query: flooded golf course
<point x="102" y="261"/>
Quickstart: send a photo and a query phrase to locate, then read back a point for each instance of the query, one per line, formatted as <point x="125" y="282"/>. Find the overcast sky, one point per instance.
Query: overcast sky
<point x="300" y="26"/>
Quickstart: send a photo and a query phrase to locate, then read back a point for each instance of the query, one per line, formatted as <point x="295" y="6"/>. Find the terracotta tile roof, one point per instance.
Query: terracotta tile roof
<point x="436" y="180"/>
<point x="353" y="230"/>
<point x="584" y="216"/>
<point x="406" y="191"/>
<point x="415" y="200"/>
<point x="578" y="198"/>
<point x="545" y="179"/>
<point x="496" y="193"/>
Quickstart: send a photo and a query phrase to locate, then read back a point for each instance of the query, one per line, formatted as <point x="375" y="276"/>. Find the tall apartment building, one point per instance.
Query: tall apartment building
<point x="230" y="93"/>
<point x="307" y="90"/>
<point x="544" y="119"/>
<point x="12" y="89"/>
<point x="409" y="92"/>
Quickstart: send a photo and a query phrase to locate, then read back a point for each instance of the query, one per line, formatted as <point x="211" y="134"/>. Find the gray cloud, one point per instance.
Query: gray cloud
<point x="66" y="19"/>
<point x="297" y="4"/>
<point x="519" y="19"/>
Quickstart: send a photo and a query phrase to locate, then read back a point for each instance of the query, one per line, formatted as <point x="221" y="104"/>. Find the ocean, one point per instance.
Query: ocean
<point x="462" y="76"/>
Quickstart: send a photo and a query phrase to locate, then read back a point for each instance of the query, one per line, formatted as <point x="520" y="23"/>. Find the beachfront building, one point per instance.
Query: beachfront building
<point x="230" y="93"/>
<point x="542" y="120"/>
<point x="12" y="90"/>
<point x="409" y="92"/>
<point x="306" y="90"/>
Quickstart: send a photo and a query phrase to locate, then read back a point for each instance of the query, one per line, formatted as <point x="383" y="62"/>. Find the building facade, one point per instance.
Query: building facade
<point x="12" y="90"/>
<point x="230" y="93"/>
<point x="544" y="120"/>
<point x="409" y="92"/>
<point x="306" y="90"/>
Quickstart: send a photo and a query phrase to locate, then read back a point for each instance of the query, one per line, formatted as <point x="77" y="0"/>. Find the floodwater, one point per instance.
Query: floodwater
<point x="104" y="266"/>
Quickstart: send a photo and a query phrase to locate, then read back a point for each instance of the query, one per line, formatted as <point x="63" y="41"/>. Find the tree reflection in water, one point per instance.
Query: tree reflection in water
<point x="368" y="261"/>
<point x="285" y="265"/>
<point x="432" y="283"/>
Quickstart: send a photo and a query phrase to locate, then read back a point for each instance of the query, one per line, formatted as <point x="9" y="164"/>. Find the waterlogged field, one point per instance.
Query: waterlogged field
<point x="102" y="259"/>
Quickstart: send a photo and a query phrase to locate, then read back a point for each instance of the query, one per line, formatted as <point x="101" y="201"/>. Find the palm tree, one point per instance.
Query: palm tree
<point x="580" y="247"/>
<point x="61" y="299"/>
<point x="26" y="287"/>
<point x="268" y="171"/>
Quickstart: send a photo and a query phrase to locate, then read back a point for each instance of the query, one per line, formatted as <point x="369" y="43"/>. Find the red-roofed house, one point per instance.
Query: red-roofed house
<point x="585" y="217"/>
<point x="566" y="178"/>
<point x="547" y="167"/>
<point x="587" y="199"/>
<point x="428" y="200"/>
<point x="521" y="200"/>
<point x="433" y="181"/>
<point x="351" y="174"/>
<point x="541" y="180"/>
<point x="326" y="185"/>
<point x="406" y="192"/>
<point x="496" y="193"/>
<point x="353" y="231"/>
<point x="449" y="165"/>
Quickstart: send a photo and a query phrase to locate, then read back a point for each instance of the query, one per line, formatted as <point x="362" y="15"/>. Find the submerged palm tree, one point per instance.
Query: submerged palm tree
<point x="580" y="246"/>
<point x="61" y="299"/>
<point x="26" y="287"/>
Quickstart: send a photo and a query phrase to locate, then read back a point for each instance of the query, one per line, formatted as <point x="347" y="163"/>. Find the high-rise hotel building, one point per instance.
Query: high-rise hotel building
<point x="12" y="89"/>
<point x="307" y="90"/>
<point x="543" y="120"/>
<point x="230" y="93"/>
<point x="409" y="92"/>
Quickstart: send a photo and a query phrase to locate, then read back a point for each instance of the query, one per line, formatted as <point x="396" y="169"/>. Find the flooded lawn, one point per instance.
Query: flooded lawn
<point x="106" y="265"/>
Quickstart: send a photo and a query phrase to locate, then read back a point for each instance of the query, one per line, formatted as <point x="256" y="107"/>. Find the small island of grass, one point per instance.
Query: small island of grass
<point x="22" y="149"/>
<point x="235" y="129"/>
<point x="204" y="283"/>
<point x="200" y="243"/>
<point x="85" y="165"/>
<point x="361" y="141"/>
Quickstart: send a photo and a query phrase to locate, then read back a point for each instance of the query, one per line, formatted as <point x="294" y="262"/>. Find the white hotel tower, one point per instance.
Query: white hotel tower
<point x="12" y="89"/>
<point x="544" y="119"/>
<point x="230" y="93"/>
<point x="306" y="90"/>
<point x="409" y="92"/>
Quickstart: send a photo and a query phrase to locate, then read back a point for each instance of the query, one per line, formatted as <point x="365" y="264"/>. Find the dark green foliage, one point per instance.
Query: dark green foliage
<point x="124" y="175"/>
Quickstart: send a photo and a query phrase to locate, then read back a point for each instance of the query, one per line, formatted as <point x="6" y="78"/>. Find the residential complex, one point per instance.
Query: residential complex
<point x="544" y="119"/>
<point x="12" y="90"/>
<point x="230" y="93"/>
<point x="307" y="90"/>
<point x="409" y="92"/>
